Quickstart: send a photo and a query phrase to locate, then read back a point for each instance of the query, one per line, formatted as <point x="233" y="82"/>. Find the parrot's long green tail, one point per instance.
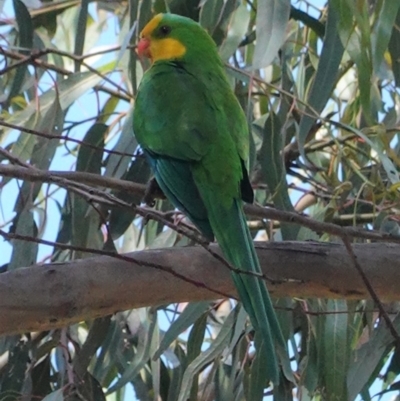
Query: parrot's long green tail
<point x="231" y="231"/>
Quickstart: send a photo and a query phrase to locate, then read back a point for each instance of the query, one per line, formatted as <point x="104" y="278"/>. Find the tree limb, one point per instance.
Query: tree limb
<point x="62" y="177"/>
<point x="54" y="295"/>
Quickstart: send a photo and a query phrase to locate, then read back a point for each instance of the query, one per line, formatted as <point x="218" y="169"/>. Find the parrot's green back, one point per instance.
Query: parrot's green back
<point x="194" y="132"/>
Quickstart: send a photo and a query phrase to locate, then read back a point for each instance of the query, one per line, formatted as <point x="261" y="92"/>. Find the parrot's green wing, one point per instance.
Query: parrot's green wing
<point x="172" y="175"/>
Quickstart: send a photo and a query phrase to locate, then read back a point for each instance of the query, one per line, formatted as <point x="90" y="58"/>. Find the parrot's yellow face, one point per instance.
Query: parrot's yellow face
<point x="156" y="41"/>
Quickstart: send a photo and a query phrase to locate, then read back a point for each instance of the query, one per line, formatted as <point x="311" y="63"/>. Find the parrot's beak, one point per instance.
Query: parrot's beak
<point x="143" y="48"/>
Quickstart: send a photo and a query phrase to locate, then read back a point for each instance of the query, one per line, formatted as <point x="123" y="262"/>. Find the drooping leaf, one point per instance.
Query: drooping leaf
<point x="394" y="49"/>
<point x="55" y="396"/>
<point x="81" y="31"/>
<point x="336" y="350"/>
<point x="189" y="316"/>
<point x="382" y="30"/>
<point x="272" y="17"/>
<point x="274" y="172"/>
<point x="120" y="219"/>
<point x="216" y="348"/>
<point x="13" y="377"/>
<point x="142" y="355"/>
<point x="84" y="218"/>
<point x="69" y="91"/>
<point x="25" y="29"/>
<point x="325" y="77"/>
<point x="24" y="251"/>
<point x="369" y="358"/>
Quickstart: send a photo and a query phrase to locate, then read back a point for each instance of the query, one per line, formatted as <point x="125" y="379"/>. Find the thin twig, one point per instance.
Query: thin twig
<point x="61" y="137"/>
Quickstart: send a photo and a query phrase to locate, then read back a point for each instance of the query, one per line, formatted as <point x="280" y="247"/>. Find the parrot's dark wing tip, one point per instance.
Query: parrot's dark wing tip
<point x="153" y="192"/>
<point x="245" y="187"/>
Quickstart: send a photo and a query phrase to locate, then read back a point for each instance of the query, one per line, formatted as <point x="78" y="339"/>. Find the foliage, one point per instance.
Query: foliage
<point x="320" y="89"/>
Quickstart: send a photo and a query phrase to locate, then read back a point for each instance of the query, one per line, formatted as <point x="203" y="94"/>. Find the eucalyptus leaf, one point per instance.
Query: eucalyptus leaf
<point x="215" y="350"/>
<point x="192" y="312"/>
<point x="272" y="18"/>
<point x="55" y="396"/>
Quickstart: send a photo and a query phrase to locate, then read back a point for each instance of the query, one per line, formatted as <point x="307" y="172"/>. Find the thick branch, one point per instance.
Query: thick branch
<point x="54" y="295"/>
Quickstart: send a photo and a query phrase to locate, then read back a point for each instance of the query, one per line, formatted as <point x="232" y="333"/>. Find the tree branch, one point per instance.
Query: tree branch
<point x="54" y="295"/>
<point x="35" y="175"/>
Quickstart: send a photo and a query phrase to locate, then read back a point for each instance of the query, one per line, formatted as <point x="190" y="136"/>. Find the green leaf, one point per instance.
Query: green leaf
<point x="177" y="373"/>
<point x="273" y="169"/>
<point x="85" y="219"/>
<point x="357" y="41"/>
<point x="22" y="148"/>
<point x="224" y="19"/>
<point x="325" y="78"/>
<point x="189" y="8"/>
<point x="120" y="219"/>
<point x="96" y="336"/>
<point x="69" y="90"/>
<point x="81" y="31"/>
<point x="40" y="150"/>
<point x="382" y="30"/>
<point x="24" y="253"/>
<point x="216" y="348"/>
<point x="116" y="165"/>
<point x="90" y="157"/>
<point x="90" y="389"/>
<point x="237" y="28"/>
<point x="387" y="164"/>
<point x="257" y="375"/>
<point x="194" y="345"/>
<point x="309" y="364"/>
<point x="394" y="49"/>
<point x="271" y="21"/>
<point x="41" y="378"/>
<point x="144" y="14"/>
<point x="25" y="29"/>
<point x="196" y="337"/>
<point x="14" y="375"/>
<point x="55" y="396"/>
<point x="104" y="364"/>
<point x="192" y="312"/>
<point x="50" y="123"/>
<point x="336" y="350"/>
<point x="210" y="14"/>
<point x="146" y="331"/>
<point x="125" y="43"/>
<point x="369" y="358"/>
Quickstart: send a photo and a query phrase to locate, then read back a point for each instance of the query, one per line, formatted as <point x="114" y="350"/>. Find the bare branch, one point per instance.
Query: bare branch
<point x="33" y="174"/>
<point x="36" y="175"/>
<point x="54" y="295"/>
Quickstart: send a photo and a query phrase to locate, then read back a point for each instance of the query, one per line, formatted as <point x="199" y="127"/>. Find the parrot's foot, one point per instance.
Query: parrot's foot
<point x="195" y="236"/>
<point x="153" y="192"/>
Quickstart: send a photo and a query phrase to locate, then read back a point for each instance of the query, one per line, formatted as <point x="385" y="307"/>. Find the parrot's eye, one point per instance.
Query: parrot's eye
<point x="165" y="30"/>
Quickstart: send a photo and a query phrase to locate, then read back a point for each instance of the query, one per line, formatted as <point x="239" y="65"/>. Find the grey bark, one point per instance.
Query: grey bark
<point x="43" y="297"/>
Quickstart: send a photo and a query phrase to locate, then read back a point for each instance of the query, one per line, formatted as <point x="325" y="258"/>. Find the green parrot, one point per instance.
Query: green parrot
<point x="195" y="135"/>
